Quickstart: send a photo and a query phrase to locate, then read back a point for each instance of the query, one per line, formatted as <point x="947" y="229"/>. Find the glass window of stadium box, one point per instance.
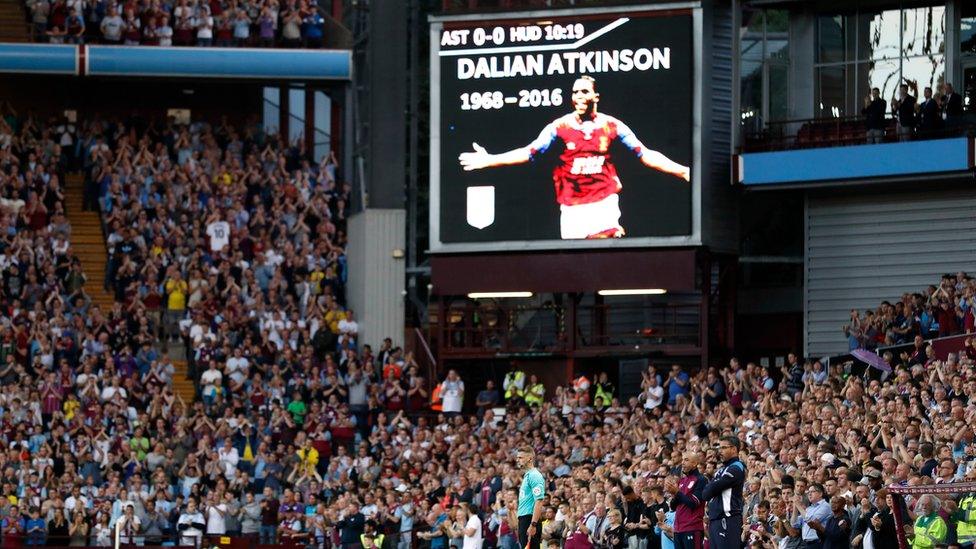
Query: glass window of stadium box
<point x="876" y="47"/>
<point x="764" y="61"/>
<point x="967" y="49"/>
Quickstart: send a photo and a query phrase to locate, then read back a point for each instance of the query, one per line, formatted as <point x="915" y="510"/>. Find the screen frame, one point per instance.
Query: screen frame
<point x="692" y="239"/>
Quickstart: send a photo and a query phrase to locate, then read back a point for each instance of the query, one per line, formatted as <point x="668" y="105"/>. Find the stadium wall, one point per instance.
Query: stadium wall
<point x="377" y="241"/>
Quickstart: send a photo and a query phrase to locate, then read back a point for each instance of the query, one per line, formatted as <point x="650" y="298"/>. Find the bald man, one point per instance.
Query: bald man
<point x="688" y="504"/>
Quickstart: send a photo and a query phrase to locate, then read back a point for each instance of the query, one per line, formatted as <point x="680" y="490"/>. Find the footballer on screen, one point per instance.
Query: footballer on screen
<point x="586" y="180"/>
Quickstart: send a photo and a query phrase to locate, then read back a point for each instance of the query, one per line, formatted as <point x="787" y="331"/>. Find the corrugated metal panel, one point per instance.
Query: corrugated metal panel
<point x="719" y="199"/>
<point x="376" y="278"/>
<point x="862" y="250"/>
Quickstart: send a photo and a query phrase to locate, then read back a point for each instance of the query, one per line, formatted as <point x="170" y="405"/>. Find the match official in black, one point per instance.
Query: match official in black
<point x="724" y="497"/>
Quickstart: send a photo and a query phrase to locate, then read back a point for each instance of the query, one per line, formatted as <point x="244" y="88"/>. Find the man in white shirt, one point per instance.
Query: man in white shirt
<point x="228" y="459"/>
<point x="211" y="382"/>
<point x="75" y="501"/>
<point x="219" y="233"/>
<point x="129" y="525"/>
<point x="190" y="525"/>
<point x="472" y="533"/>
<point x="112" y="27"/>
<point x="452" y="393"/>
<point x="348" y="326"/>
<point x="216" y="524"/>
<point x="654" y="394"/>
<point x="237" y="367"/>
<point x="109" y="392"/>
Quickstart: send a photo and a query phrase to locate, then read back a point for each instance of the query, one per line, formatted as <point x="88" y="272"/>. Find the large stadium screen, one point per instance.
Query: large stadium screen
<point x="562" y="131"/>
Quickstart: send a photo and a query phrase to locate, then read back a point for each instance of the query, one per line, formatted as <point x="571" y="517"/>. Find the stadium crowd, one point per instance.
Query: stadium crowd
<point x="232" y="242"/>
<point x="230" y="23"/>
<point x="937" y="311"/>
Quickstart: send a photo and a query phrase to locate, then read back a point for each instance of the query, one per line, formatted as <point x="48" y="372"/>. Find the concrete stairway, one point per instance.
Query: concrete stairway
<point x="181" y="385"/>
<point x="87" y="241"/>
<point x="88" y="244"/>
<point x="13" y="21"/>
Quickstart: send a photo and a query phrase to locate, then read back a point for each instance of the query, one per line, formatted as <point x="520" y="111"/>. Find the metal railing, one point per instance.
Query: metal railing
<point x="809" y="133"/>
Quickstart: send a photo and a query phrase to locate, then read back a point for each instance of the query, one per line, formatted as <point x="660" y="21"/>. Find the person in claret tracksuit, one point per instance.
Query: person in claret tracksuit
<point x="688" y="504"/>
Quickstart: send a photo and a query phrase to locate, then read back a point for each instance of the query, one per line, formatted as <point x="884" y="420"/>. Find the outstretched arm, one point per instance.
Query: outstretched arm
<point x="656" y="160"/>
<point x="481" y="158"/>
<point x="651" y="158"/>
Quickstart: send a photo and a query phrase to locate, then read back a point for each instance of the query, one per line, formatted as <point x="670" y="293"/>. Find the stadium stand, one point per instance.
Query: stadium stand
<point x="942" y="310"/>
<point x="175" y="23"/>
<point x="179" y="365"/>
<point x="303" y="435"/>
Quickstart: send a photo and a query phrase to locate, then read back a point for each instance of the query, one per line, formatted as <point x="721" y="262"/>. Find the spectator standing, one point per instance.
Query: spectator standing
<point x="813" y="516"/>
<point x="653" y="393"/>
<point x="929" y="114"/>
<point x="874" y="114"/>
<point x="150" y="32"/>
<point x="75" y="27"/>
<point x="129" y="525"/>
<point x="633" y="514"/>
<point x="204" y="24"/>
<point x="224" y="35"/>
<point x="488" y="398"/>
<point x="351" y="526"/>
<point x="165" y="32"/>
<point x="452" y="393"/>
<point x="514" y="384"/>
<point x="183" y="24"/>
<point x="835" y="532"/>
<point x="677" y="384"/>
<point x="176" y="293"/>
<point x="250" y="517"/>
<point x="291" y="28"/>
<point x="57" y="529"/>
<point x="191" y="525"/>
<point x="357" y="385"/>
<point x="313" y="29"/>
<point x="242" y="28"/>
<point x="952" y="105"/>
<point x="793" y="375"/>
<point x="664" y="528"/>
<point x="602" y="390"/>
<point x="269" y="519"/>
<point x="903" y="107"/>
<point x="78" y="530"/>
<point x="216" y="513"/>
<point x="535" y="392"/>
<point x="881" y="531"/>
<point x="267" y="25"/>
<point x="403" y="515"/>
<point x="131" y="29"/>
<point x="40" y="9"/>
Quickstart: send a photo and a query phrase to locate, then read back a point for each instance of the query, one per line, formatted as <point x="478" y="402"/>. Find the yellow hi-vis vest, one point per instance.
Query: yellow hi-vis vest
<point x="535" y="394"/>
<point x="930" y="531"/>
<point x="513" y="380"/>
<point x="377" y="540"/>
<point x="966" y="515"/>
<point x="604" y="395"/>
